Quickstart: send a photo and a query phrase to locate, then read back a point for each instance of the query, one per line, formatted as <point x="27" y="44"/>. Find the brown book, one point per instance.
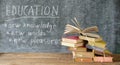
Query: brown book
<point x="71" y="44"/>
<point x="103" y="59"/>
<point x="82" y="59"/>
<point x="83" y="54"/>
<point x="91" y="39"/>
<point x="80" y="48"/>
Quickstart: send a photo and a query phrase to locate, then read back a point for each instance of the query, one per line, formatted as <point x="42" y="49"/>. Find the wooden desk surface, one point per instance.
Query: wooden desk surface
<point x="45" y="59"/>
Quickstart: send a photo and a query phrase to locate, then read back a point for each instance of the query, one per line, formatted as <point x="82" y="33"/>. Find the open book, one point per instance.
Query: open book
<point x="86" y="32"/>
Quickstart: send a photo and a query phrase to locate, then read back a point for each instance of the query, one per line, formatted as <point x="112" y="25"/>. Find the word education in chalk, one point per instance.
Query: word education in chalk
<point x="34" y="10"/>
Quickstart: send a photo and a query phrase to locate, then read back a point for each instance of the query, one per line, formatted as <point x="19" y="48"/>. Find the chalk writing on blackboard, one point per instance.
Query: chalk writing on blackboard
<point x="30" y="11"/>
<point x="34" y="11"/>
<point x="31" y="25"/>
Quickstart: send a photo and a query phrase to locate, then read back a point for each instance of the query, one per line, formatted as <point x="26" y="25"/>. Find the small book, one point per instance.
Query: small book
<point x="72" y="38"/>
<point x="103" y="59"/>
<point x="82" y="59"/>
<point x="71" y="44"/>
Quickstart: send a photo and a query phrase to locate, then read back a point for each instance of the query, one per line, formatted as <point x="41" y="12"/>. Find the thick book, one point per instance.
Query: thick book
<point x="99" y="44"/>
<point x="103" y="59"/>
<point x="82" y="54"/>
<point x="71" y="44"/>
<point x="82" y="59"/>
<point x="80" y="48"/>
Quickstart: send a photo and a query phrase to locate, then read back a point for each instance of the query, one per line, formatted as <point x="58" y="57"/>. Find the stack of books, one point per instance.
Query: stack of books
<point x="86" y="46"/>
<point x="99" y="48"/>
<point x="78" y="49"/>
<point x="72" y="41"/>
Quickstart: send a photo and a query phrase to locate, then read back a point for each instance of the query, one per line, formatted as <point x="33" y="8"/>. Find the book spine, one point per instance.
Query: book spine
<point x="80" y="49"/>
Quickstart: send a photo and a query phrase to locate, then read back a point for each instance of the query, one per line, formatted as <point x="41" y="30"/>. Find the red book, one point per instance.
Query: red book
<point x="73" y="37"/>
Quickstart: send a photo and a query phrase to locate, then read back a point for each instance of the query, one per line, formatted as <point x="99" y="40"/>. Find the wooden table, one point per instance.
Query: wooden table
<point x="45" y="59"/>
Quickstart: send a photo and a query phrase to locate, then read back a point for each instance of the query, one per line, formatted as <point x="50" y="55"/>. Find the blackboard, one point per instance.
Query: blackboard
<point x="38" y="25"/>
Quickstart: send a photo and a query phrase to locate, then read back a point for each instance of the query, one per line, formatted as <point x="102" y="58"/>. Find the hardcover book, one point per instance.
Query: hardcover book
<point x="99" y="44"/>
<point x="103" y="59"/>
